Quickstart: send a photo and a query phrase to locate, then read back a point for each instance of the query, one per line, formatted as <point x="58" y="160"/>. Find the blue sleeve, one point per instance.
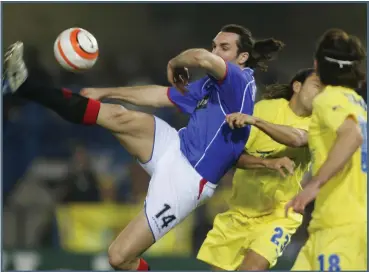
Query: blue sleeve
<point x="236" y="88"/>
<point x="187" y="102"/>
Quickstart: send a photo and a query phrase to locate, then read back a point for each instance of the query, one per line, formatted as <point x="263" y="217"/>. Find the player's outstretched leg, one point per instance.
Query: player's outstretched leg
<point x="134" y="130"/>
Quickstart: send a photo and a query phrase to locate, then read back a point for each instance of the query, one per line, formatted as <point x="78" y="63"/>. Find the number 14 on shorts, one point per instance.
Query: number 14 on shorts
<point x="165" y="217"/>
<point x="329" y="262"/>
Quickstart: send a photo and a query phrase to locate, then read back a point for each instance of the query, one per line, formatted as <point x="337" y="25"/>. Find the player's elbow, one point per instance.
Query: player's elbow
<point x="210" y="62"/>
<point x="202" y="57"/>
<point x="298" y="141"/>
<point x="299" y="138"/>
<point x="350" y="130"/>
<point x="358" y="137"/>
<point x="240" y="164"/>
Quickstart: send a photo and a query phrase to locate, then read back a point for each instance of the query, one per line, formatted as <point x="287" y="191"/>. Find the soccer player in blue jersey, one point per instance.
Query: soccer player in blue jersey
<point x="185" y="166"/>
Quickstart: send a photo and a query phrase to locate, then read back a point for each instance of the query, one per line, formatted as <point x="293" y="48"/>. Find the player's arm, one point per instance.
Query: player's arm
<point x="151" y="95"/>
<point x="306" y="178"/>
<point x="201" y="58"/>
<point x="247" y="161"/>
<point x="285" y="135"/>
<point x="349" y="139"/>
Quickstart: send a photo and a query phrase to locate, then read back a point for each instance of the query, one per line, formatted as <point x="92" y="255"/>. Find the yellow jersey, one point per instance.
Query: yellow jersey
<point x="258" y="192"/>
<point x="342" y="200"/>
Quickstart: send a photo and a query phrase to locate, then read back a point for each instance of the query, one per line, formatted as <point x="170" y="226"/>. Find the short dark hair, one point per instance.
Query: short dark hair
<point x="340" y="59"/>
<point x="275" y="91"/>
<point x="260" y="52"/>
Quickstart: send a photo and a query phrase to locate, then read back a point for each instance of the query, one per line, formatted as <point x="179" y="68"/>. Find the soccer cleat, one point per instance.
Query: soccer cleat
<point x="16" y="71"/>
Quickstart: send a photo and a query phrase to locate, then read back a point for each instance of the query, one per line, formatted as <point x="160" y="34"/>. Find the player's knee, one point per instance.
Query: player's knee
<point x="114" y="117"/>
<point x="117" y="258"/>
<point x="119" y="114"/>
<point x="254" y="262"/>
<point x="254" y="267"/>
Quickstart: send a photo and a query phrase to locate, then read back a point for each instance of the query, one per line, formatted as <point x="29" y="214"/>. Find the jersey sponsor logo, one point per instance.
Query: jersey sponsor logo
<point x="203" y="103"/>
<point x="336" y="107"/>
<point x="264" y="153"/>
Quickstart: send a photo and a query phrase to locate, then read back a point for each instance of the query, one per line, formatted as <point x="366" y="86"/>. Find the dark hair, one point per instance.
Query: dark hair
<point x="285" y="91"/>
<point x="260" y="52"/>
<point x="339" y="59"/>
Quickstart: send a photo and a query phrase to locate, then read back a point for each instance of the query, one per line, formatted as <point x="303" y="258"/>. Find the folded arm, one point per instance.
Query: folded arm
<point x="201" y="58"/>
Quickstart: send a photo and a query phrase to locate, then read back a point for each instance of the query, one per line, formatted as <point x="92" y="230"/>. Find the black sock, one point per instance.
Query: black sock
<point x="70" y="106"/>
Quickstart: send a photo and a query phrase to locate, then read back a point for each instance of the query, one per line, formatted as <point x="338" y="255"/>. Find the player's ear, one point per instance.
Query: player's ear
<point x="296" y="86"/>
<point x="242" y="58"/>
<point x="315" y="65"/>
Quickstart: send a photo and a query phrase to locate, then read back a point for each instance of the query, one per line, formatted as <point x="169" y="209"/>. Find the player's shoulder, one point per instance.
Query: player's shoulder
<point x="233" y="67"/>
<point x="327" y="96"/>
<point x="335" y="95"/>
<point x="271" y="103"/>
<point x="244" y="73"/>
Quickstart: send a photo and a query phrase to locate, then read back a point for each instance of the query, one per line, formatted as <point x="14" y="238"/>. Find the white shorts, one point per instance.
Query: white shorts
<point x="175" y="188"/>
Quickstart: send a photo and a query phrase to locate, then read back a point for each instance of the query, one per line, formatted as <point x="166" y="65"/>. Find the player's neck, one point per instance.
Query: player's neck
<point x="297" y="109"/>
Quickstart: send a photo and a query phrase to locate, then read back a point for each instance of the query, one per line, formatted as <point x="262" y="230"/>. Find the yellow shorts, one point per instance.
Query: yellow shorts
<point x="233" y="234"/>
<point x="335" y="249"/>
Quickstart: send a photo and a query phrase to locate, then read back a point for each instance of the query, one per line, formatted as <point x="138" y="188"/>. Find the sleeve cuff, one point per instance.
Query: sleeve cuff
<point x="225" y="74"/>
<point x="170" y="99"/>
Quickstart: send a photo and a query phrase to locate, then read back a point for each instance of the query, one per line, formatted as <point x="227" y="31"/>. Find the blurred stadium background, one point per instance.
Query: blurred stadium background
<point x="68" y="190"/>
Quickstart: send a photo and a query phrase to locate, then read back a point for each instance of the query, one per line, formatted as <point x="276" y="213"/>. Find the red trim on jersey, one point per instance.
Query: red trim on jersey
<point x="172" y="100"/>
<point x="201" y="186"/>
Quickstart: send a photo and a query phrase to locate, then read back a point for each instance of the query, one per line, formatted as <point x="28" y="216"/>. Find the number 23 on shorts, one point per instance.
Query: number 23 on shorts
<point x="280" y="240"/>
<point x="329" y="262"/>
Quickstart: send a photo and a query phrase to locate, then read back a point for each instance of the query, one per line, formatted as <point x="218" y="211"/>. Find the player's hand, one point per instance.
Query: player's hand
<point x="299" y="202"/>
<point x="239" y="120"/>
<point x="281" y="164"/>
<point x="92" y="93"/>
<point x="178" y="77"/>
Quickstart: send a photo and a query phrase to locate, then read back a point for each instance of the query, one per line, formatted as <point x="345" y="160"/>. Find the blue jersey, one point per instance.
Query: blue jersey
<point x="207" y="141"/>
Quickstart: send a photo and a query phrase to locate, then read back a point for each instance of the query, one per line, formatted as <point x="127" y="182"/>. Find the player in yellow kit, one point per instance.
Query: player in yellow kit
<point x="338" y="143"/>
<point x="252" y="234"/>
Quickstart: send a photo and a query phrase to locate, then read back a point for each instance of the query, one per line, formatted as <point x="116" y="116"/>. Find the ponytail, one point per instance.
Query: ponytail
<point x="276" y="91"/>
<point x="259" y="51"/>
<point x="262" y="52"/>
